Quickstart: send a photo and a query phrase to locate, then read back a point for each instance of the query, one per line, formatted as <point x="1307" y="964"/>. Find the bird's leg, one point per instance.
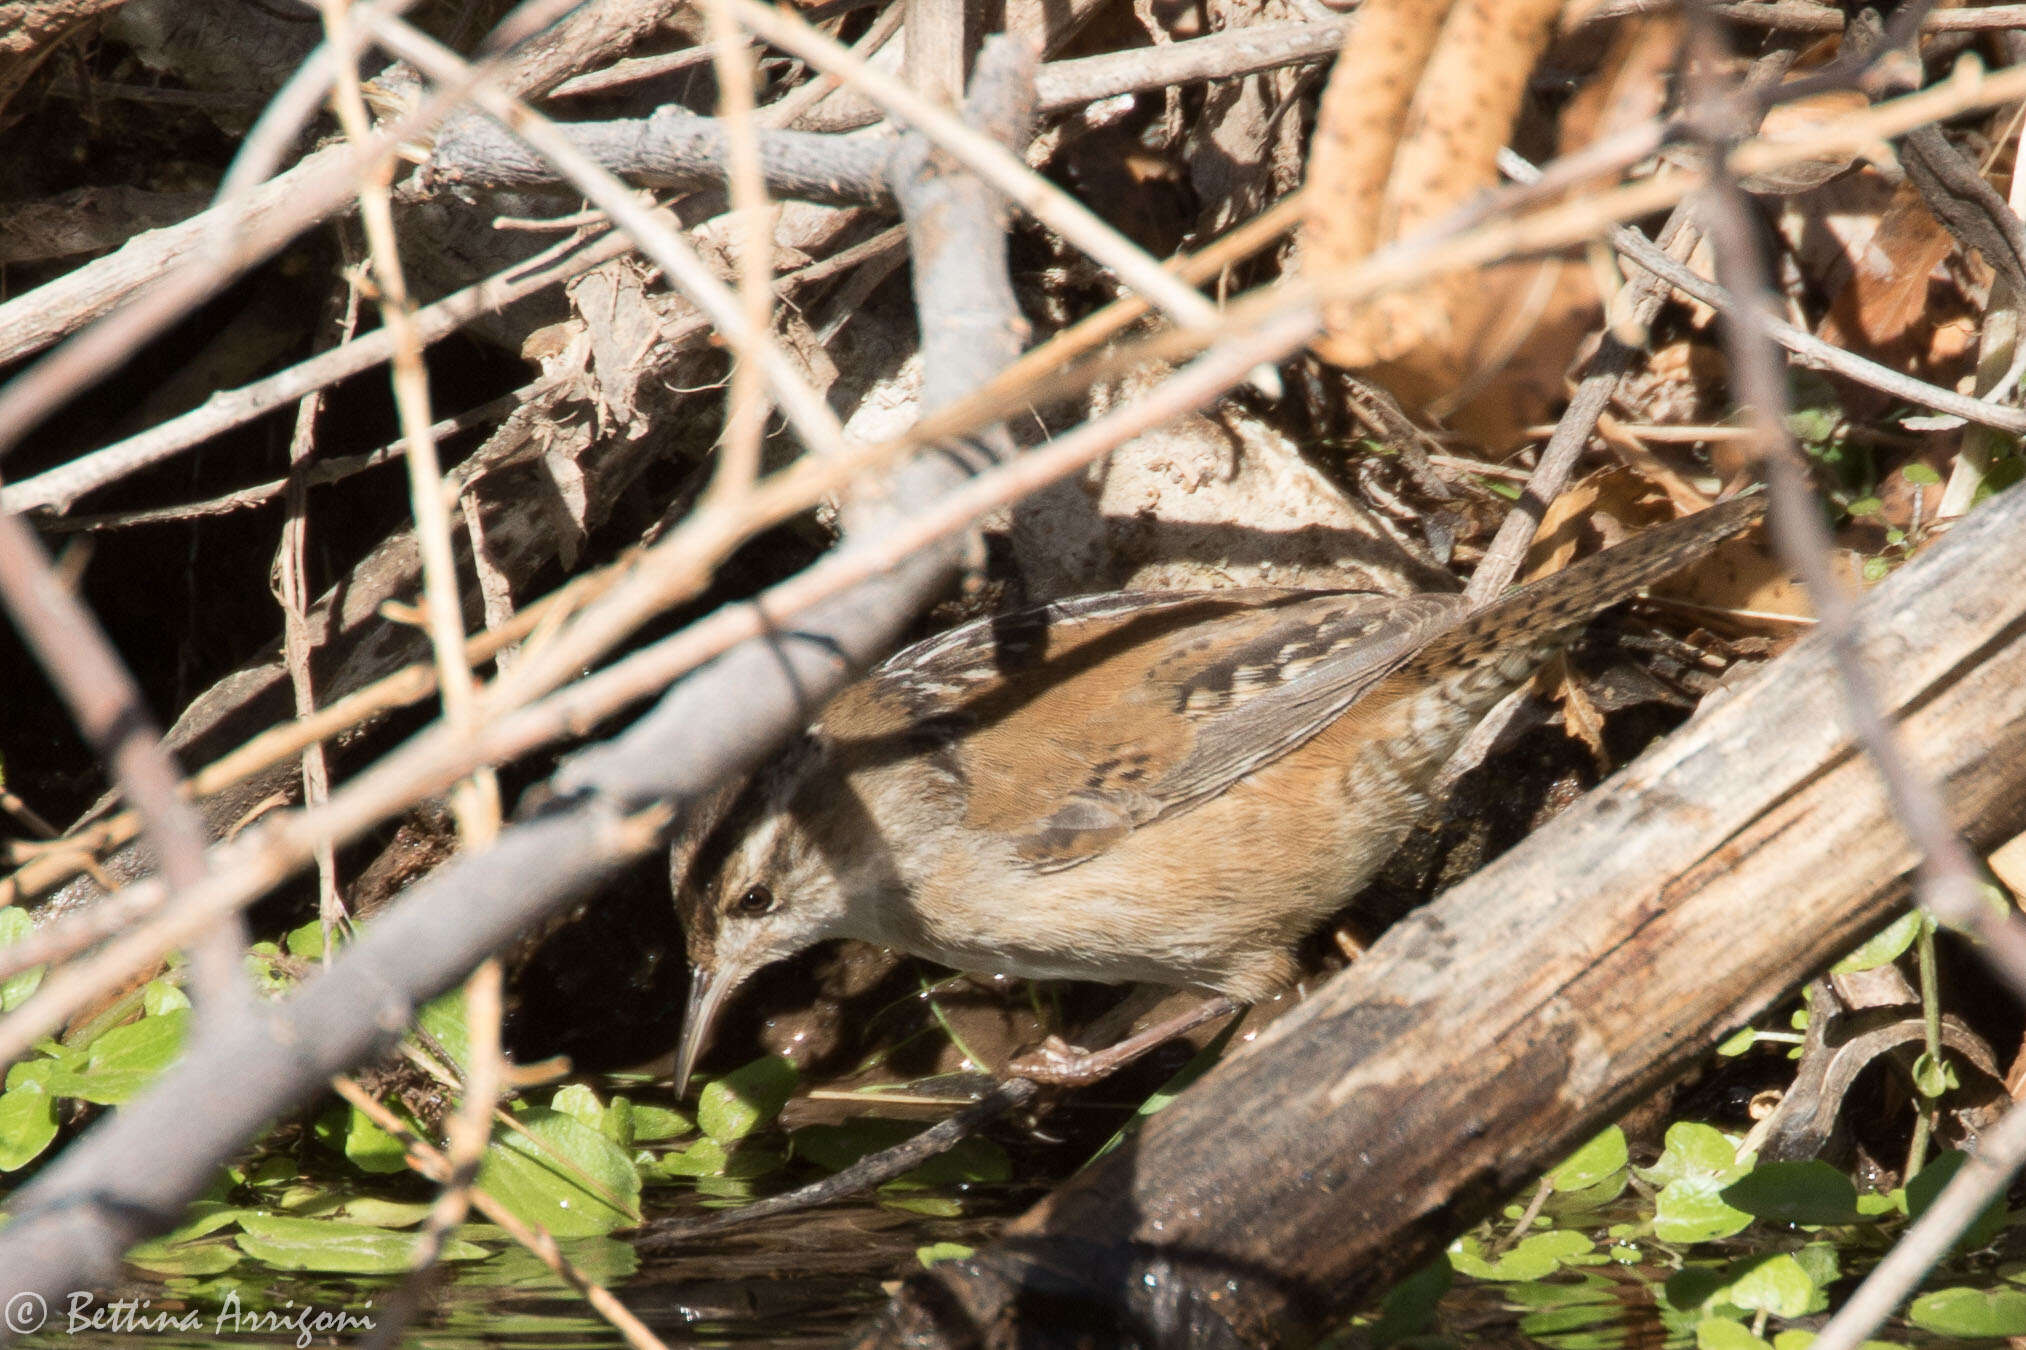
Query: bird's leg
<point x="1063" y="1065"/>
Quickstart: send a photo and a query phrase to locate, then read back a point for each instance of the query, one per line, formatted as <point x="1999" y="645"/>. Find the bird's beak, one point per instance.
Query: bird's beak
<point x="707" y="992"/>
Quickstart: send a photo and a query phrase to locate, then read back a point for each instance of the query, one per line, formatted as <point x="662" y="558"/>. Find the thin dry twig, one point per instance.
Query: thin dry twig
<point x="468" y="1132"/>
<point x="1813" y="351"/>
<point x="184" y="266"/>
<point x="474" y="801"/>
<point x="802" y="406"/>
<point x="746" y="418"/>
<point x="1608" y="368"/>
<point x="1798" y="16"/>
<point x="992" y="162"/>
<point x="58" y="488"/>
<point x="314" y="473"/>
<point x="1613" y="361"/>
<point x="290" y="584"/>
<point x="313" y="190"/>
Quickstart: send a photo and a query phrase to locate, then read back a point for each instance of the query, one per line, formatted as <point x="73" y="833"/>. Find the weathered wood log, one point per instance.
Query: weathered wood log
<point x="1488" y="1035"/>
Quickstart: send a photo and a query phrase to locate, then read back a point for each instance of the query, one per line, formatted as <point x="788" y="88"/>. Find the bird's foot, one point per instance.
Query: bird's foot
<point x="1059" y="1064"/>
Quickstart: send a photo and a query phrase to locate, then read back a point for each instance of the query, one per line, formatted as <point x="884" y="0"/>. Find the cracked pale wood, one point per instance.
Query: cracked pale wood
<point x="1487" y="1036"/>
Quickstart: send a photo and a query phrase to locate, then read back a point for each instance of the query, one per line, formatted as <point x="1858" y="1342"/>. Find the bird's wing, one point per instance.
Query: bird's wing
<point x="1063" y="729"/>
<point x="1071" y="725"/>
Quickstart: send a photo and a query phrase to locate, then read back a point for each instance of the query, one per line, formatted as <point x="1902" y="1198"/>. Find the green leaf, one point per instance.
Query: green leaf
<point x="380" y="1213"/>
<point x="616" y="1123"/>
<point x="745" y="1099"/>
<point x="537" y="1178"/>
<point x="1585" y="1289"/>
<point x="651" y="1123"/>
<point x="1592" y="1163"/>
<point x="1409" y="1307"/>
<point x="350" y="1131"/>
<point x="1801" y="1340"/>
<point x="836" y="1147"/>
<point x="579" y="1103"/>
<point x="972" y="1160"/>
<point x="306" y="942"/>
<point x="1739" y="1041"/>
<point x="205" y="1217"/>
<point x="1922" y="1190"/>
<point x="1694" y="1150"/>
<point x="1531" y="1258"/>
<point x="334" y="1246"/>
<point x="1933" y="1077"/>
<point x="162" y="996"/>
<point x="1884" y="945"/>
<point x="1591" y="1324"/>
<point x="14" y="926"/>
<point x="274" y="1170"/>
<point x="1865" y="506"/>
<point x="1922" y="474"/>
<point x="1795" y="1192"/>
<point x="606" y="1261"/>
<point x="124" y="1060"/>
<point x="1876" y="569"/>
<point x="1697" y="1163"/>
<point x="1813" y="425"/>
<point x="184" y="1258"/>
<point x="1970" y="1312"/>
<point x="442" y="1019"/>
<point x="709" y="1160"/>
<point x="1692" y="1210"/>
<point x="944" y="1251"/>
<point x="27" y="1124"/>
<point x="929" y="1206"/>
<point x="35" y="1071"/>
<point x="1693" y="1288"/>
<point x="1564" y="1203"/>
<point x="1776" y="1285"/>
<point x="1821" y="1262"/>
<point x="1719" y="1333"/>
<point x="705" y="1158"/>
<point x="269" y="979"/>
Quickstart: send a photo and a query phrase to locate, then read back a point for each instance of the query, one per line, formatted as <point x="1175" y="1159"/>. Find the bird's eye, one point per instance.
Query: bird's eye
<point x="756" y="900"/>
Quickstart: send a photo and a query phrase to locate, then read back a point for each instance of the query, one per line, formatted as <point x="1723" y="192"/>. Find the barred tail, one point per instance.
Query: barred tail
<point x="1539" y="612"/>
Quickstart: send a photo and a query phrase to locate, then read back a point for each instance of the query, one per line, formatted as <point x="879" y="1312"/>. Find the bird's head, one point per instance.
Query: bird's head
<point x="758" y="886"/>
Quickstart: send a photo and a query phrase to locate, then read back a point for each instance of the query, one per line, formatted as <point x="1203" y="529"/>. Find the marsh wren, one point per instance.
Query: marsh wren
<point x="1174" y="788"/>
